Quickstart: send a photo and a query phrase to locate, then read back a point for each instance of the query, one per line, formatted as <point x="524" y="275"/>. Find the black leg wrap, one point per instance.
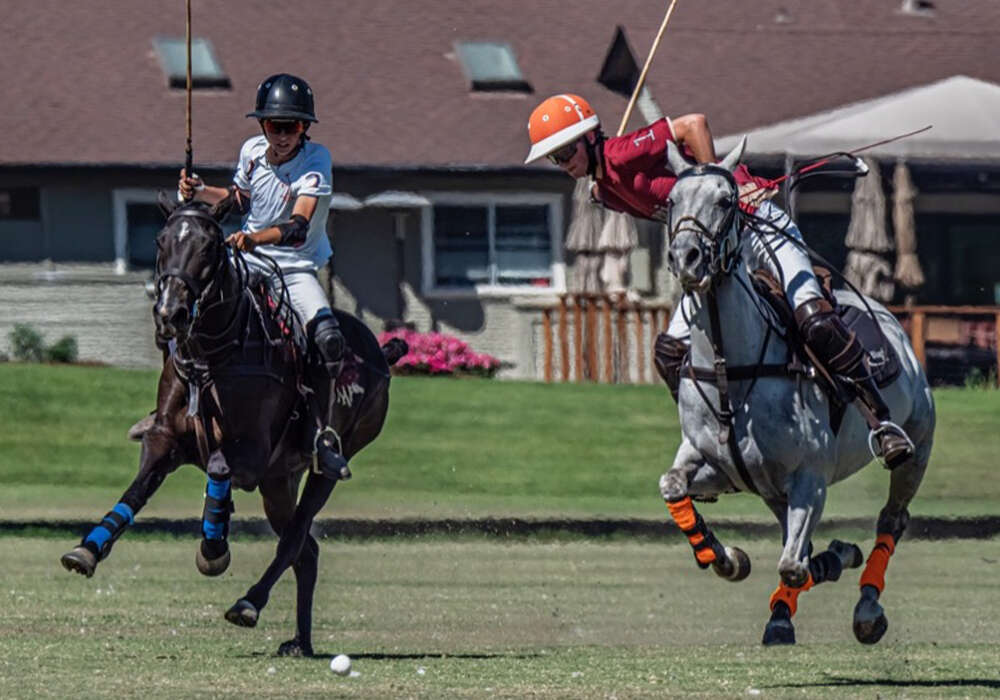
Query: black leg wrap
<point x="825" y="567"/>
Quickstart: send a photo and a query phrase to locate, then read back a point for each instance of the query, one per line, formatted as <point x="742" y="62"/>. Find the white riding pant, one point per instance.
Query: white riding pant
<point x="304" y="289"/>
<point x="765" y="246"/>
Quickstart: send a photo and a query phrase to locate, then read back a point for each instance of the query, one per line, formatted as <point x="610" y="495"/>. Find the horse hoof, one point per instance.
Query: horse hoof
<point x="795" y="578"/>
<point x="740" y="562"/>
<point x="243" y="614"/>
<point x="81" y="560"/>
<point x="293" y="647"/>
<point x="212" y="566"/>
<point x="870" y="622"/>
<point x="848" y="553"/>
<point x="778" y="631"/>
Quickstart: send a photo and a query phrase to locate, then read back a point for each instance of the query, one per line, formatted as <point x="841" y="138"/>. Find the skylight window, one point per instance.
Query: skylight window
<point x="491" y="66"/>
<point x="205" y="69"/>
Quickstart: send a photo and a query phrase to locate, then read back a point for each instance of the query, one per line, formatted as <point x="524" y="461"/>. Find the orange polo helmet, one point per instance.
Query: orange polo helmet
<point x="559" y="120"/>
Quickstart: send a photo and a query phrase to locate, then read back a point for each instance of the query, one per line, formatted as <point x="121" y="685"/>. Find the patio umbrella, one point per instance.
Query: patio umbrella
<point x="908" y="272"/>
<point x="582" y="239"/>
<point x="867" y="238"/>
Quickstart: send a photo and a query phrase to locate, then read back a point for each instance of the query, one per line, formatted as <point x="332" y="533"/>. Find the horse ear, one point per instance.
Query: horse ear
<point x="733" y="158"/>
<point x="675" y="160"/>
<point x="220" y="210"/>
<point x="166" y="204"/>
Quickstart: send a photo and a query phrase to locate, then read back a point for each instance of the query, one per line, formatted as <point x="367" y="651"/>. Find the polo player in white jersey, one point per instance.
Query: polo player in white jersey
<point x="282" y="186"/>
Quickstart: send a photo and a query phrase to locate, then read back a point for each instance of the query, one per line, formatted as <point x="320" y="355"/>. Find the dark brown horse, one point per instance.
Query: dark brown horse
<point x="232" y="400"/>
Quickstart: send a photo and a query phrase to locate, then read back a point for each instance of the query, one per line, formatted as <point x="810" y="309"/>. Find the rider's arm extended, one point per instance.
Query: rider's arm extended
<point x="291" y="232"/>
<point x="692" y="131"/>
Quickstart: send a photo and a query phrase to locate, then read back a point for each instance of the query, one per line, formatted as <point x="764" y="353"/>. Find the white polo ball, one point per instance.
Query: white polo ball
<point x="341" y="664"/>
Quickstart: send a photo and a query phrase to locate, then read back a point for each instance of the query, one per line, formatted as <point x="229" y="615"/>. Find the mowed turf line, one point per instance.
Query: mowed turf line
<point x="482" y="619"/>
<point x="450" y="448"/>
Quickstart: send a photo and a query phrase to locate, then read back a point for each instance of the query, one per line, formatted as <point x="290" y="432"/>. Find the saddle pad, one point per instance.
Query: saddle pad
<point x="882" y="357"/>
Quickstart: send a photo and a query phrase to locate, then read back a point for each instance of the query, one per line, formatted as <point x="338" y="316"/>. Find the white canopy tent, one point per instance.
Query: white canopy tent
<point x="962" y="110"/>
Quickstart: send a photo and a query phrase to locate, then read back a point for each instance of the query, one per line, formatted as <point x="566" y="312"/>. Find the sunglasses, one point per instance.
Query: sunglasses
<point x="273" y="126"/>
<point x="564" y="154"/>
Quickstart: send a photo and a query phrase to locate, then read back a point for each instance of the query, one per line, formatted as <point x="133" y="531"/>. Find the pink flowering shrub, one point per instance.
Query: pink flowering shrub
<point x="439" y="354"/>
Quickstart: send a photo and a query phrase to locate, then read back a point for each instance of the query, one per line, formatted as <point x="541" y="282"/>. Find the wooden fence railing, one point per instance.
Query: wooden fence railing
<point x="920" y="322"/>
<point x="599" y="338"/>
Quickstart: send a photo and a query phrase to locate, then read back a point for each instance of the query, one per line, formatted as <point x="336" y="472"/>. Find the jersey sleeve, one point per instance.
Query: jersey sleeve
<point x="241" y="178"/>
<point x="316" y="181"/>
<point x="643" y="149"/>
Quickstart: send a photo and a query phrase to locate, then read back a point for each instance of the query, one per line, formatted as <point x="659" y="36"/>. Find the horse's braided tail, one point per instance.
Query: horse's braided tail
<point x="394" y="349"/>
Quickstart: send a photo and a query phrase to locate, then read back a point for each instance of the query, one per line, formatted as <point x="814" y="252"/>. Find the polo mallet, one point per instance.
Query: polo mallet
<point x="188" y="152"/>
<point x="645" y="69"/>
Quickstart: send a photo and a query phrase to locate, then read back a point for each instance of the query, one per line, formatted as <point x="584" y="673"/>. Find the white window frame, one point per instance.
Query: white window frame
<point x="554" y="201"/>
<point x="120" y="199"/>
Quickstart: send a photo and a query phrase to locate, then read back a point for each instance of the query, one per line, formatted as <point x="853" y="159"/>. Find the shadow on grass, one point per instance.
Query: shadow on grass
<point x="326" y="656"/>
<point x="892" y="682"/>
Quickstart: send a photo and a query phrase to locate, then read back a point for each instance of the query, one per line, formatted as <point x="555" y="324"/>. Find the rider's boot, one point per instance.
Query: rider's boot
<point x="841" y="353"/>
<point x="329" y="341"/>
<point x="668" y="355"/>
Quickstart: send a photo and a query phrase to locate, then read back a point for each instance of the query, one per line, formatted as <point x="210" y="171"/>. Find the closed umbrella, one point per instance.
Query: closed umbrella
<point x="908" y="272"/>
<point x="582" y="238"/>
<point x="867" y="238"/>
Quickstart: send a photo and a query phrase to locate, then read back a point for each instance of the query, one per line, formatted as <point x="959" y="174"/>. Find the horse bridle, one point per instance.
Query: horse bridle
<point x="194" y="287"/>
<point x="724" y="245"/>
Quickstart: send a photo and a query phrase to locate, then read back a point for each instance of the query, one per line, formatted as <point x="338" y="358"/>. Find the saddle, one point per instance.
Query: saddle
<point x="882" y="358"/>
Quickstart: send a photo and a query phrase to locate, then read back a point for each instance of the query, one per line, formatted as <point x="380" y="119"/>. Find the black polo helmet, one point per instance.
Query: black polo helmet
<point x="284" y="96"/>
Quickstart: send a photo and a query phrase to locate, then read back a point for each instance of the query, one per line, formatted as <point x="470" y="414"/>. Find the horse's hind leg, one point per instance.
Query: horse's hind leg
<point x="291" y="545"/>
<point x="870" y="622"/>
<point x="825" y="566"/>
<point x="689" y="476"/>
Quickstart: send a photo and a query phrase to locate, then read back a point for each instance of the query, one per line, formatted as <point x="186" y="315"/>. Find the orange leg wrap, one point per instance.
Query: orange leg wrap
<point x="686" y="517"/>
<point x="790" y="596"/>
<point x="878" y="560"/>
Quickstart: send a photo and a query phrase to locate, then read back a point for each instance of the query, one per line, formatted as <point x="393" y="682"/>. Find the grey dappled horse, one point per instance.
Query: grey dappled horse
<point x="772" y="435"/>
<point x="231" y="401"/>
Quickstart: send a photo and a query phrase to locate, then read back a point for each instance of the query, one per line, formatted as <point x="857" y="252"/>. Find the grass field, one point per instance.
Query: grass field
<point x="481" y="619"/>
<point x="451" y="448"/>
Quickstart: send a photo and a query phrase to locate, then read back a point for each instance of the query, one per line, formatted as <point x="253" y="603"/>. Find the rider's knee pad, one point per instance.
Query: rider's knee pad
<point x="668" y="355"/>
<point x="329" y="340"/>
<point x="826" y="335"/>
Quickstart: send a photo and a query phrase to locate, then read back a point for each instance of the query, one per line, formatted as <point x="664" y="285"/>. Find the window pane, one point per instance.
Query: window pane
<point x="144" y="221"/>
<point x="524" y="245"/>
<point x="461" y="246"/>
<point x="19" y="203"/>
<point x="205" y="68"/>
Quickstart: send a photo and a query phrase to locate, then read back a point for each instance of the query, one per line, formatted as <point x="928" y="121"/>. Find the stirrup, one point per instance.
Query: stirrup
<point x="343" y="471"/>
<point x="883" y="427"/>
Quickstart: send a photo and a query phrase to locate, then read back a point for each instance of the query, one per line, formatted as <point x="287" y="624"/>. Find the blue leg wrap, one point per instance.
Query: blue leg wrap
<point x="112" y="526"/>
<point x="218" y="506"/>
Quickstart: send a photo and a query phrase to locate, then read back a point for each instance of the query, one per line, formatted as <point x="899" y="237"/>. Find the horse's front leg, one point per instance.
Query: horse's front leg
<point x="806" y="489"/>
<point x="291" y="545"/>
<point x="691" y="476"/>
<point x="160" y="456"/>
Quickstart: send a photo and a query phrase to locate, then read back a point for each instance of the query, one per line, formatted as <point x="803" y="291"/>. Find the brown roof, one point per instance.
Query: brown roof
<point x="82" y="83"/>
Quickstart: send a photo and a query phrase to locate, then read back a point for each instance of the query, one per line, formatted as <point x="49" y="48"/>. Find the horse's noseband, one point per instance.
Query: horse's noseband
<point x="724" y="245"/>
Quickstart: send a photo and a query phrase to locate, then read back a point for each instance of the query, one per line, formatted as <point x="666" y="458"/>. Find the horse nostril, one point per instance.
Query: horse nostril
<point x="692" y="257"/>
<point x="670" y="259"/>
